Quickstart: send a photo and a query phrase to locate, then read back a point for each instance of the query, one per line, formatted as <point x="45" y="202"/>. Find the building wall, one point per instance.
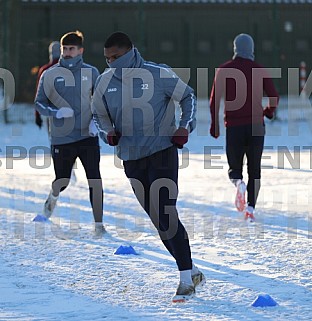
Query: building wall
<point x="180" y="35"/>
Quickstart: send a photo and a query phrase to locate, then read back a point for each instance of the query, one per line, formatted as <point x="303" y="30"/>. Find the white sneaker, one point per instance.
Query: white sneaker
<point x="49" y="205"/>
<point x="240" y="201"/>
<point x="99" y="229"/>
<point x="184" y="293"/>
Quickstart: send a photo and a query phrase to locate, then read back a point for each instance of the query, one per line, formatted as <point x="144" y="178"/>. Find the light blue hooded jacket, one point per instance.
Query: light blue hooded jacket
<point x="136" y="98"/>
<point x="69" y="83"/>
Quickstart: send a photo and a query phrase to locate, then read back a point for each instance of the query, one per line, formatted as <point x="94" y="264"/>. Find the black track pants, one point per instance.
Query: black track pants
<point x="246" y="140"/>
<point x="64" y="157"/>
<point x="154" y="181"/>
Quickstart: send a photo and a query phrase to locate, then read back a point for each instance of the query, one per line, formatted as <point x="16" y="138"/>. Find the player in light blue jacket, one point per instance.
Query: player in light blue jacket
<point x="64" y="93"/>
<point x="134" y="109"/>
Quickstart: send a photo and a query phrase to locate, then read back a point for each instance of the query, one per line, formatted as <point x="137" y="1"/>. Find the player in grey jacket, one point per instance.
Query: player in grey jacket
<point x="139" y="97"/>
<point x="133" y="106"/>
<point x="64" y="93"/>
<point x="65" y="90"/>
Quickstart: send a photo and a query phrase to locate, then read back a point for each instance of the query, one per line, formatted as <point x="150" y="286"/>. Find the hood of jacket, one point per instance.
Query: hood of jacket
<point x="72" y="63"/>
<point x="132" y="59"/>
<point x="244" y="47"/>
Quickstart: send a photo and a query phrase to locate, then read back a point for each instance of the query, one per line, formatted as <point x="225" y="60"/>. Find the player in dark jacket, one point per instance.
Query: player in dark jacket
<point x="54" y="56"/>
<point x="242" y="81"/>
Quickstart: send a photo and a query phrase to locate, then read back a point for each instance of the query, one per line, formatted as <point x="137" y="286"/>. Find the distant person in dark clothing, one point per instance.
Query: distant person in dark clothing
<point x="54" y="55"/>
<point x="242" y="81"/>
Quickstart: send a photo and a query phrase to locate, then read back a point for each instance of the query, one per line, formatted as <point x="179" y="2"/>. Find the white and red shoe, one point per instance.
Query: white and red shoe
<point x="249" y="214"/>
<point x="240" y="199"/>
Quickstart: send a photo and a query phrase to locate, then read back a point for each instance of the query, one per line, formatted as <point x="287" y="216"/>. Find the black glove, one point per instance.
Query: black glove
<point x="38" y="119"/>
<point x="113" y="138"/>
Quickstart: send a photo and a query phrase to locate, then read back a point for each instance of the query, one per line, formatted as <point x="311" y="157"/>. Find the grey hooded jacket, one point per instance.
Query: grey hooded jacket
<point x="137" y="99"/>
<point x="69" y="83"/>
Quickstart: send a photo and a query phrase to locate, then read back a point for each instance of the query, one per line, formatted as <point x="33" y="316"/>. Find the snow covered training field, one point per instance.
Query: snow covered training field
<point x="60" y="271"/>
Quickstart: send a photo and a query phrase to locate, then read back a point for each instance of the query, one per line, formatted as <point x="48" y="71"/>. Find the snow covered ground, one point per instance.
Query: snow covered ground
<point x="60" y="271"/>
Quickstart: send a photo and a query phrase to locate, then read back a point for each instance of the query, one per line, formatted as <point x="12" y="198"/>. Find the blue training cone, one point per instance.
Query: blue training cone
<point x="40" y="218"/>
<point x="125" y="250"/>
<point x="264" y="300"/>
